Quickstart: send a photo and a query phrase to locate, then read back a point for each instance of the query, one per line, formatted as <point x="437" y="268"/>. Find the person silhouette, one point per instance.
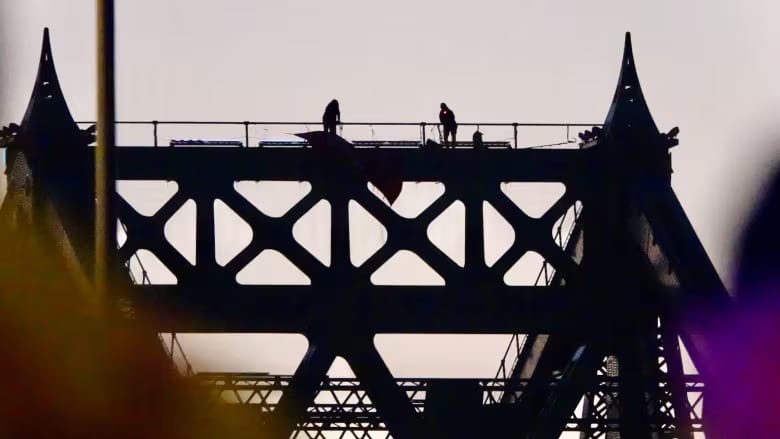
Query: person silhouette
<point x="447" y="119"/>
<point x="476" y="140"/>
<point x="331" y="117"/>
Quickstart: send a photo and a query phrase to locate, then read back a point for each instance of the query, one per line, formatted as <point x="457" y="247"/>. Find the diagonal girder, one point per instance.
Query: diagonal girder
<point x="303" y="387"/>
<point x="391" y="401"/>
<point x="577" y="378"/>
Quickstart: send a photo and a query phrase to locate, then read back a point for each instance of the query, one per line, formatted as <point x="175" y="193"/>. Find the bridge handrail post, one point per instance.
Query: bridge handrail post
<point x="246" y="133"/>
<point x="422" y="131"/>
<point x="514" y="129"/>
<point x="154" y="131"/>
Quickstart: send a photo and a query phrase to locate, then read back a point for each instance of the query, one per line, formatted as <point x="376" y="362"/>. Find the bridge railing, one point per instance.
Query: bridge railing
<point x="515" y="135"/>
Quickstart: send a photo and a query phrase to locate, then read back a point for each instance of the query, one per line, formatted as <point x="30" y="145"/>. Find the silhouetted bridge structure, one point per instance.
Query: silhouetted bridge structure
<point x="601" y="354"/>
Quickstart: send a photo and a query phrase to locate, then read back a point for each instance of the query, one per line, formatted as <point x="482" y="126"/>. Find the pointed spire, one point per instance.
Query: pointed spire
<point x="47" y="117"/>
<point x="628" y="115"/>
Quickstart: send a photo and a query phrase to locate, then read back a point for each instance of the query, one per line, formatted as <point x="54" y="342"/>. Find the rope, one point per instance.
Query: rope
<point x="569" y="142"/>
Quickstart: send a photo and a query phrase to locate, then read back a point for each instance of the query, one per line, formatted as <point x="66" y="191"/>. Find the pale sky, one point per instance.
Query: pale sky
<point x="709" y="67"/>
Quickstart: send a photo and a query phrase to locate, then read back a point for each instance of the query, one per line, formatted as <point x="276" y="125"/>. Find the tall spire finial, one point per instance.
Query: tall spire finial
<point x="628" y="115"/>
<point x="46" y="50"/>
<point x="47" y="115"/>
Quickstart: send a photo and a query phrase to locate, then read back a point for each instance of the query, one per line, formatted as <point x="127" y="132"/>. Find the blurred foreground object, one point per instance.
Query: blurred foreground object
<point x="77" y="366"/>
<point x="77" y="372"/>
<point x="743" y="396"/>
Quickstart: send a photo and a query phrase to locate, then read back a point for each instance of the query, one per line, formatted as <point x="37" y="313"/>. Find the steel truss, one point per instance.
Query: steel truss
<point x="603" y="353"/>
<point x="342" y="406"/>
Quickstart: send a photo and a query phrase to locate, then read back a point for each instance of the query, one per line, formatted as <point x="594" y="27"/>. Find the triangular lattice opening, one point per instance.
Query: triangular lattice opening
<point x="271" y="268"/>
<point x="146" y="196"/>
<point x="312" y="231"/>
<point x="448" y="232"/>
<point x="528" y="270"/>
<point x="231" y="233"/>
<point x="273" y="198"/>
<point x="366" y="234"/>
<point x="406" y="268"/>
<point x="565" y="225"/>
<point x="499" y="234"/>
<point x="121" y="234"/>
<point x="180" y="231"/>
<point x="157" y="272"/>
<point x="414" y="197"/>
<point x="349" y="396"/>
<point x="533" y="198"/>
<point x="340" y="369"/>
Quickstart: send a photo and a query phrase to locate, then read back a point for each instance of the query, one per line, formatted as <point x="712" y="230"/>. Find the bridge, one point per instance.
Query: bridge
<point x="595" y="346"/>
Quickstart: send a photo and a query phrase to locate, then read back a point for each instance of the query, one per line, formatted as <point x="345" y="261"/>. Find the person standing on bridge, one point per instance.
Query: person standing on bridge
<point x="447" y="119"/>
<point x="331" y="117"/>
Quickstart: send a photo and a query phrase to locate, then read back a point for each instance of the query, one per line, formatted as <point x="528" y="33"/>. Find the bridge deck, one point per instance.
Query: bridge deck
<point x="292" y="164"/>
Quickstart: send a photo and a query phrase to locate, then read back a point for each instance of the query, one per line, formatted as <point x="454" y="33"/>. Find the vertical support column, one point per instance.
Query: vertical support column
<point x="339" y="230"/>
<point x="105" y="185"/>
<point x="475" y="235"/>
<point x="204" y="231"/>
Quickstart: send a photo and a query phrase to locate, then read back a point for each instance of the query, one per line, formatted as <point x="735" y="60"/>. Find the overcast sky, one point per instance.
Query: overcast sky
<point x="709" y="67"/>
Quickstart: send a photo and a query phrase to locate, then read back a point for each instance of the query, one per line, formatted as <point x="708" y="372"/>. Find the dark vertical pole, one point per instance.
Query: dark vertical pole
<point x="105" y="220"/>
<point x="246" y="133"/>
<point x="154" y="125"/>
<point x="514" y="128"/>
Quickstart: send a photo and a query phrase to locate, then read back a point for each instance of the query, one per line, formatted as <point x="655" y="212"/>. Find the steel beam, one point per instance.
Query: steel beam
<point x="561" y="401"/>
<point x="391" y="401"/>
<point x="303" y="164"/>
<point x="303" y="388"/>
<point x="380" y="309"/>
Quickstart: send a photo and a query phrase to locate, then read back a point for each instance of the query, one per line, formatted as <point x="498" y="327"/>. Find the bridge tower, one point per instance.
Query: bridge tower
<point x="601" y="352"/>
<point x="49" y="172"/>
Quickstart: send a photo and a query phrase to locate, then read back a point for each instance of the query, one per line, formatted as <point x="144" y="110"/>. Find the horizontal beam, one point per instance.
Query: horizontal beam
<point x="382" y="309"/>
<point x="301" y="164"/>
